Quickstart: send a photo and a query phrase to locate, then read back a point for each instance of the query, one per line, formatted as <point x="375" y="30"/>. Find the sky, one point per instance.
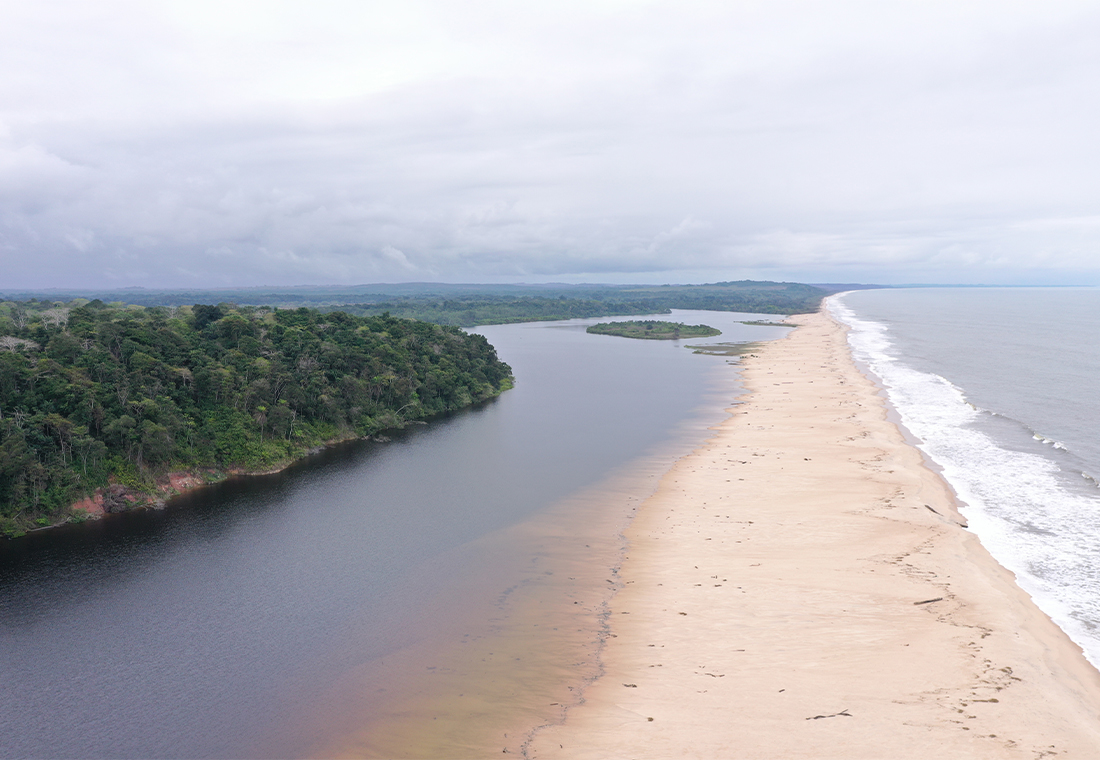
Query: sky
<point x="234" y="143"/>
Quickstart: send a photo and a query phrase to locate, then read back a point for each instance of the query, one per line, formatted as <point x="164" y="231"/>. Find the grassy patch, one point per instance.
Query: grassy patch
<point x="725" y="349"/>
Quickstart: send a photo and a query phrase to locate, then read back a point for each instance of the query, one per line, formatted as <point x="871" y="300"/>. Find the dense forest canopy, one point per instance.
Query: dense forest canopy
<point x="93" y="394"/>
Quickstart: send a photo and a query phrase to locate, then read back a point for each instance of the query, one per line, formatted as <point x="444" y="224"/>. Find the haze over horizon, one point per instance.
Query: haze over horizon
<point x="243" y="143"/>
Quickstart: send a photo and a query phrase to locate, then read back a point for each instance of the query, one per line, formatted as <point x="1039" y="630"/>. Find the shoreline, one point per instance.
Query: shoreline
<point x="530" y="642"/>
<point x="802" y="586"/>
<point x="171" y="485"/>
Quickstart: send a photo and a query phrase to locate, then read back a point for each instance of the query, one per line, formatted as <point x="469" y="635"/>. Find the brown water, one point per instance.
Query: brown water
<point x="431" y="596"/>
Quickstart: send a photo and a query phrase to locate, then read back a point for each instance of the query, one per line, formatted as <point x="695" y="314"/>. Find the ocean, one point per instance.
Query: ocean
<point x="1000" y="387"/>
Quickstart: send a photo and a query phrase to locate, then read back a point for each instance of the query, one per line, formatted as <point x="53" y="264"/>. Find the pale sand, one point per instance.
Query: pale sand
<point x="770" y="605"/>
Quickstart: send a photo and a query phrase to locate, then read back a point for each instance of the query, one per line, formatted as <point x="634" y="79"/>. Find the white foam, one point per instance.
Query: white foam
<point x="1014" y="501"/>
<point x="1049" y="441"/>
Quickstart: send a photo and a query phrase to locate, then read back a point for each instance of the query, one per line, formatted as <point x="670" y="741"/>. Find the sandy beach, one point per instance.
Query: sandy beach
<point x="803" y="586"/>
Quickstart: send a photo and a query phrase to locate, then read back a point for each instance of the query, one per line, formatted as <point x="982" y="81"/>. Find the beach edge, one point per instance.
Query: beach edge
<point x="873" y="593"/>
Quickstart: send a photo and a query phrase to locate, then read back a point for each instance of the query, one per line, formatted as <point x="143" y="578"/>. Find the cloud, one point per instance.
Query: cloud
<point x="391" y="254"/>
<point x="235" y="143"/>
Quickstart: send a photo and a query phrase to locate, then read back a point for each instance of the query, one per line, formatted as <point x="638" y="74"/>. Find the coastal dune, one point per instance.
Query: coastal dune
<point x="803" y="586"/>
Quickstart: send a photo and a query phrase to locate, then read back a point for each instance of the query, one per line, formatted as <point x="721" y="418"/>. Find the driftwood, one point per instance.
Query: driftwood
<point x="843" y="712"/>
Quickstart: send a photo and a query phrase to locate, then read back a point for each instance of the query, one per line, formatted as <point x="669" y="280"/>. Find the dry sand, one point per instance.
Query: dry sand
<point x="802" y="587"/>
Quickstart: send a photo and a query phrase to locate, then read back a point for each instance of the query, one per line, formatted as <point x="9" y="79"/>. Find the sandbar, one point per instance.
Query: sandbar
<point x="803" y="586"/>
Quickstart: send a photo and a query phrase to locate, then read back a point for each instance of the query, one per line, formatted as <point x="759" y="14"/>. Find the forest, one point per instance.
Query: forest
<point x="114" y="396"/>
<point x="467" y="305"/>
<point x="649" y="329"/>
<point x="472" y="310"/>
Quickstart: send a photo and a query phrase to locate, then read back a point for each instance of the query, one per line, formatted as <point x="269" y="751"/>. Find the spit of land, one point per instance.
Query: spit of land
<point x="803" y="586"/>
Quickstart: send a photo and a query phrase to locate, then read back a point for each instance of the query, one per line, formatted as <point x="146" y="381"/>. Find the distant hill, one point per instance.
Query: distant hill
<point x="840" y="287"/>
<point x="466" y="305"/>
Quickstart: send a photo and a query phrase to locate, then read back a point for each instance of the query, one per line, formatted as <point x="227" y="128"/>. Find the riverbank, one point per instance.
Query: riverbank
<point x="117" y="498"/>
<point x="802" y="586"/>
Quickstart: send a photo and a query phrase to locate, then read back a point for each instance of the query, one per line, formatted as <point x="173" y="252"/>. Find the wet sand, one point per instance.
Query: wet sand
<point x="802" y="586"/>
<point x="519" y="655"/>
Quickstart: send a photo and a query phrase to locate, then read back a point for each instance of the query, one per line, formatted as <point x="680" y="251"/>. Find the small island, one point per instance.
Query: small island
<point x="651" y="329"/>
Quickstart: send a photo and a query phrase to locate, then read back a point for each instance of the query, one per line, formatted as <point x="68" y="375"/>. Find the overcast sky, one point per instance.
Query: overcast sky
<point x="194" y="143"/>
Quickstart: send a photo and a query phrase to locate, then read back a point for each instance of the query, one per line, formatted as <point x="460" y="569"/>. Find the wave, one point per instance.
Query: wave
<point x="1068" y="460"/>
<point x="1016" y="501"/>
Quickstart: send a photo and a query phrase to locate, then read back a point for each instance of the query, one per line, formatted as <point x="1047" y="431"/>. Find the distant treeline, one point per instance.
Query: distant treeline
<point x="469" y="305"/>
<point x="469" y="311"/>
<point x="93" y="394"/>
<point x="475" y="309"/>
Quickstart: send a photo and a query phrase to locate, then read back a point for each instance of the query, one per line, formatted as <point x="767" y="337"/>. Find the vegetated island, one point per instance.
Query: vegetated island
<point x="651" y="329"/>
<point x="105" y="407"/>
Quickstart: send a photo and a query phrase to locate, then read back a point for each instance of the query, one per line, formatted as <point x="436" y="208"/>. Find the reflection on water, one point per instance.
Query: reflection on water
<point x="267" y="615"/>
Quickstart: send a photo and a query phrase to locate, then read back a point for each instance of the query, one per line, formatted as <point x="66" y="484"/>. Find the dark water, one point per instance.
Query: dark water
<point x="1002" y="387"/>
<point x="208" y="628"/>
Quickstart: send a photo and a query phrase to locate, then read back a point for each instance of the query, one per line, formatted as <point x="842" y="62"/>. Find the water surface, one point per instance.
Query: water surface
<point x="1000" y="385"/>
<point x="250" y="618"/>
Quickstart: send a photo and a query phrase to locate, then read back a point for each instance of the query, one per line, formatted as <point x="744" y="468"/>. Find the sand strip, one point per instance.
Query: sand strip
<point x="802" y="587"/>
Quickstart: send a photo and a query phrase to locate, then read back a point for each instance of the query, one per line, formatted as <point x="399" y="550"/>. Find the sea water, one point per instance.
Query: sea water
<point x="1001" y="388"/>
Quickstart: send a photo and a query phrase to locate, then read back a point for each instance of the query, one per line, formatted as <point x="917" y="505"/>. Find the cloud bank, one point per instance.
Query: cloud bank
<point x="246" y="143"/>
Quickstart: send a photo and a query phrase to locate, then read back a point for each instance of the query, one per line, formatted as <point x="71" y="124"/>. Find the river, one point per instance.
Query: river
<point x="444" y="585"/>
